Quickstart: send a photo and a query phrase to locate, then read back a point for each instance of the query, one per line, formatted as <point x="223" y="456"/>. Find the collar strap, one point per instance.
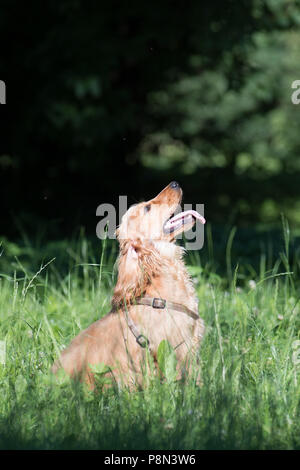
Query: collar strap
<point x="156" y="302"/>
<point x="142" y="340"/>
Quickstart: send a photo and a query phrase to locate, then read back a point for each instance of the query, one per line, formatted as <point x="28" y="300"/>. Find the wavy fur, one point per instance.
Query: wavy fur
<point x="151" y="264"/>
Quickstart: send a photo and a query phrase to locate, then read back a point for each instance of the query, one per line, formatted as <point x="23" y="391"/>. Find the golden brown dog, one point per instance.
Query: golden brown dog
<point x="154" y="298"/>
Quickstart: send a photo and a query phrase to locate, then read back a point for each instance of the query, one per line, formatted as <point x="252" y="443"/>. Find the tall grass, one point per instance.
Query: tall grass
<point x="249" y="395"/>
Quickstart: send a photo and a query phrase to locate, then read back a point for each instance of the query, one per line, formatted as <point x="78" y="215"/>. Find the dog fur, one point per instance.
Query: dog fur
<point x="150" y="264"/>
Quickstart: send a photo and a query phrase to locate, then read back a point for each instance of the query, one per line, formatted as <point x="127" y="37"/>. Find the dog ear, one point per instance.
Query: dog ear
<point x="130" y="278"/>
<point x="139" y="263"/>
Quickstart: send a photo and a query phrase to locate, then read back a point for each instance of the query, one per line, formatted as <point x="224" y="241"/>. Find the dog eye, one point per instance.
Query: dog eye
<point x="147" y="208"/>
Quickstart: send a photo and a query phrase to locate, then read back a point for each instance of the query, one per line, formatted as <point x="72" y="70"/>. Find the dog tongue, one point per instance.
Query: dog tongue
<point x="183" y="215"/>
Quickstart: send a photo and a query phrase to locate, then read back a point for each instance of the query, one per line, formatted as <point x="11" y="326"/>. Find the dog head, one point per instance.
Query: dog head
<point x="156" y="219"/>
<point x="144" y="226"/>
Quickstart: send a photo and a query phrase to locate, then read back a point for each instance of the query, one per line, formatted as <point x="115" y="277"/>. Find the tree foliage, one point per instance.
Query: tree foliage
<point x="109" y="99"/>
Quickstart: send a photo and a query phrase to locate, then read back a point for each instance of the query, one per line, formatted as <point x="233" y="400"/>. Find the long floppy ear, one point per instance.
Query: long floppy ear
<point x="137" y="265"/>
<point x="129" y="274"/>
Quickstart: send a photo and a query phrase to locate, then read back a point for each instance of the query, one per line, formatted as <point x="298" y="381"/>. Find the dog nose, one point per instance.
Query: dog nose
<point x="174" y="185"/>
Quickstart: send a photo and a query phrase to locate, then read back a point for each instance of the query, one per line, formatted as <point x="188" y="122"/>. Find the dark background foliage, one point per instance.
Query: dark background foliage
<point x="112" y="98"/>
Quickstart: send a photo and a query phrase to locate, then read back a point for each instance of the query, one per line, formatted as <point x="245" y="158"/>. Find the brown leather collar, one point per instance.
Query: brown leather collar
<point x="156" y="302"/>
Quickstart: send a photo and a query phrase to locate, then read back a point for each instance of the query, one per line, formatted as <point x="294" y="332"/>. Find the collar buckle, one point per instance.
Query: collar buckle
<point x="158" y="303"/>
<point x="142" y="341"/>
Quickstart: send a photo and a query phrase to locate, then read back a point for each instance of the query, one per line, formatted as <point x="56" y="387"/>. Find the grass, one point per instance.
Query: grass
<point x="249" y="397"/>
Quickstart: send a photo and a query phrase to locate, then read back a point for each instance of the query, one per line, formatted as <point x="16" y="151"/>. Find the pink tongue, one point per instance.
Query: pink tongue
<point x="185" y="214"/>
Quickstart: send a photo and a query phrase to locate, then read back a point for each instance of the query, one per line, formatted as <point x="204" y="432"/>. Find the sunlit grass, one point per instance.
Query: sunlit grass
<point x="249" y="396"/>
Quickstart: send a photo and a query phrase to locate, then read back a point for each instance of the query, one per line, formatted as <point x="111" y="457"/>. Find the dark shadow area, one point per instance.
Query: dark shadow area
<point x="106" y="100"/>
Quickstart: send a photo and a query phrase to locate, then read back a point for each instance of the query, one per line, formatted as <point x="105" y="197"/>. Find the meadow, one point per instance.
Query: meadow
<point x="249" y="359"/>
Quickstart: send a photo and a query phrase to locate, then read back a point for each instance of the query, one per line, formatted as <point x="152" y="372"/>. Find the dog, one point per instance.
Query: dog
<point x="153" y="300"/>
